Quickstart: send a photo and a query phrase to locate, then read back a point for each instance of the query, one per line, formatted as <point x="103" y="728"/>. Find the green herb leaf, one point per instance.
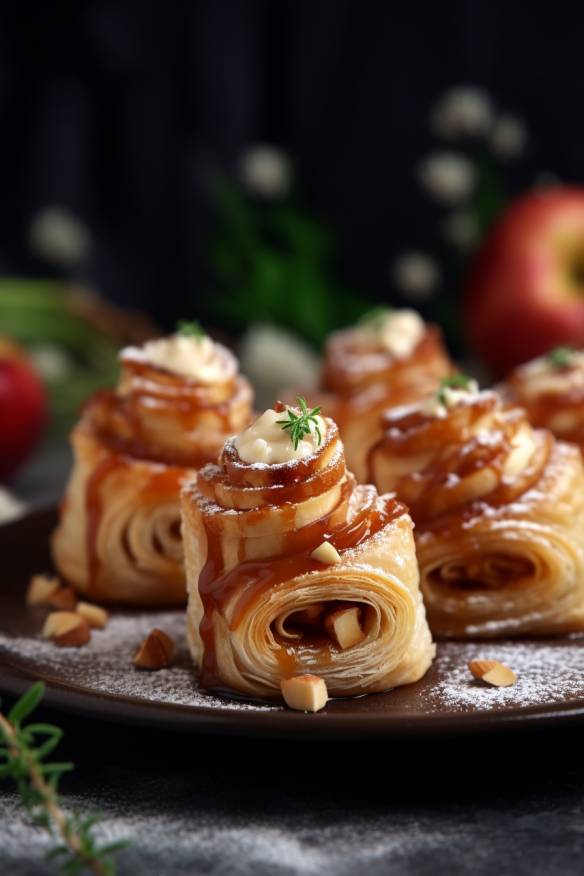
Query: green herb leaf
<point x="299" y="425"/>
<point x="375" y="317"/>
<point x="560" y="357"/>
<point x="27" y="703"/>
<point x="22" y="761"/>
<point x="189" y="329"/>
<point x="455" y="381"/>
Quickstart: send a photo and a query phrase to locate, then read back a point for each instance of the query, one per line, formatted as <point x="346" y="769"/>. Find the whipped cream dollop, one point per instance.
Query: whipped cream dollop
<point x="265" y="441"/>
<point x="397" y="331"/>
<point x="196" y="357"/>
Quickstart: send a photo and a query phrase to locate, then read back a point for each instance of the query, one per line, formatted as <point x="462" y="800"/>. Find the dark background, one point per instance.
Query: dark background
<point x="117" y="110"/>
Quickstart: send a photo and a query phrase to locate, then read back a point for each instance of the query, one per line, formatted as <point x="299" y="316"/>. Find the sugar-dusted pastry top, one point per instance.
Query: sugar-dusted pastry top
<point x="176" y="401"/>
<point x="392" y="348"/>
<point x="119" y="536"/>
<point x="265" y="441"/>
<point x="460" y="447"/>
<point x="551" y="389"/>
<point x="302" y="569"/>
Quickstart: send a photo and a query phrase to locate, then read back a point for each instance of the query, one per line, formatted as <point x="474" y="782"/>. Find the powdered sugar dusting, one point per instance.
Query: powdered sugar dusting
<point x="548" y="671"/>
<point x="105" y="664"/>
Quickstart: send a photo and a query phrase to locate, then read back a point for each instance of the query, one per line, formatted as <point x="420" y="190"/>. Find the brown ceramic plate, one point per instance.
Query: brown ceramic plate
<point x="100" y="680"/>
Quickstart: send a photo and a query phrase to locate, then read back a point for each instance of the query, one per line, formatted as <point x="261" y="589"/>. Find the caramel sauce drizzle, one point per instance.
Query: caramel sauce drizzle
<point x="352" y="366"/>
<point x="542" y="408"/>
<point x="343" y="526"/>
<point x="458" y="453"/>
<point x="364" y="378"/>
<point x="121" y="420"/>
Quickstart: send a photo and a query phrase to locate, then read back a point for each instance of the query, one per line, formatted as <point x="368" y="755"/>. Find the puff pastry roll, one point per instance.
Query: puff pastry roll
<point x="551" y="389"/>
<point x="499" y="514"/>
<point x="391" y="358"/>
<point x="292" y="568"/>
<point x="118" y="539"/>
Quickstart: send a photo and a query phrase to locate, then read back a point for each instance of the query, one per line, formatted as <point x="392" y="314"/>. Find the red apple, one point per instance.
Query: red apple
<point x="23" y="408"/>
<point x="525" y="290"/>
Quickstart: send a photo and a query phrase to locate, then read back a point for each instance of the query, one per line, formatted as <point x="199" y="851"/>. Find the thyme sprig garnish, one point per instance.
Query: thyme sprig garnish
<point x="23" y="753"/>
<point x="454" y="381"/>
<point x="560" y="357"/>
<point x="190" y="329"/>
<point x="299" y="425"/>
<point x="375" y="317"/>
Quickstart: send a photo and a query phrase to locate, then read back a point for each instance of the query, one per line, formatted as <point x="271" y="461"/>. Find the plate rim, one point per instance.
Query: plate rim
<point x="283" y="723"/>
<point x="286" y="723"/>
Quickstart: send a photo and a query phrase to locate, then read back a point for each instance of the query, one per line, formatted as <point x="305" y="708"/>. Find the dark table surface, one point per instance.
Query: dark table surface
<point x="500" y="804"/>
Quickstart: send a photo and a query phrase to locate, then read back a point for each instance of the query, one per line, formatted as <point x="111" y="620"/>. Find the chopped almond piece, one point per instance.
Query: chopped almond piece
<point x="492" y="672"/>
<point x="66" y="629"/>
<point x="64" y="598"/>
<point x="305" y="693"/>
<point x="95" y="615"/>
<point x="41" y="588"/>
<point x="155" y="652"/>
<point x="343" y="626"/>
<point x="326" y="553"/>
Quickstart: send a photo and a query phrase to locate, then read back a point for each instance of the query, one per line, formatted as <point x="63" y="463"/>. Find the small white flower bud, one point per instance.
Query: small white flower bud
<point x="266" y="172"/>
<point x="416" y="275"/>
<point x="447" y="176"/>
<point x="462" y="111"/>
<point x="508" y="137"/>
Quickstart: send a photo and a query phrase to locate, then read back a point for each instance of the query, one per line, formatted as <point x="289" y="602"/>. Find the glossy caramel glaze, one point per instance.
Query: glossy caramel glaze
<point x="261" y="524"/>
<point x="474" y="439"/>
<point x="133" y="448"/>
<point x="552" y="395"/>
<point x="361" y="379"/>
<point x="157" y="415"/>
<point x="498" y="544"/>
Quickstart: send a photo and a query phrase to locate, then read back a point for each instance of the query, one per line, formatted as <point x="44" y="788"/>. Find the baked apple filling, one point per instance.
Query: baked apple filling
<point x="338" y="624"/>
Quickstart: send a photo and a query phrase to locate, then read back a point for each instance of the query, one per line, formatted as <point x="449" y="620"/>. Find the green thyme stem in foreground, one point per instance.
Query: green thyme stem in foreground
<point x="455" y="381"/>
<point x="23" y="750"/>
<point x="299" y="425"/>
<point x="189" y="329"/>
<point x="560" y="357"/>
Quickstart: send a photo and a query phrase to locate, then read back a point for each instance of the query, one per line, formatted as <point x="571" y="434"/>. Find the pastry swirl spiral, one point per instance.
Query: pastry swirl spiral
<point x="361" y="378"/>
<point x="258" y="599"/>
<point x="118" y="539"/>
<point x="499" y="514"/>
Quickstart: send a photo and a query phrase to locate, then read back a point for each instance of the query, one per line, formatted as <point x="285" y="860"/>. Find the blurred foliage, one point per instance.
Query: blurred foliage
<point x="43" y="316"/>
<point x="275" y="263"/>
<point x="489" y="198"/>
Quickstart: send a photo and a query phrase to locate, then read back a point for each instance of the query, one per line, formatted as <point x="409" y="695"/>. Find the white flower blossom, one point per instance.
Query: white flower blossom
<point x="266" y="172"/>
<point x="508" y="137"/>
<point x="447" y="176"/>
<point x="416" y="275"/>
<point x="462" y="111"/>
<point x="460" y="228"/>
<point x="11" y="508"/>
<point x="275" y="359"/>
<point x="51" y="362"/>
<point x="56" y="235"/>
